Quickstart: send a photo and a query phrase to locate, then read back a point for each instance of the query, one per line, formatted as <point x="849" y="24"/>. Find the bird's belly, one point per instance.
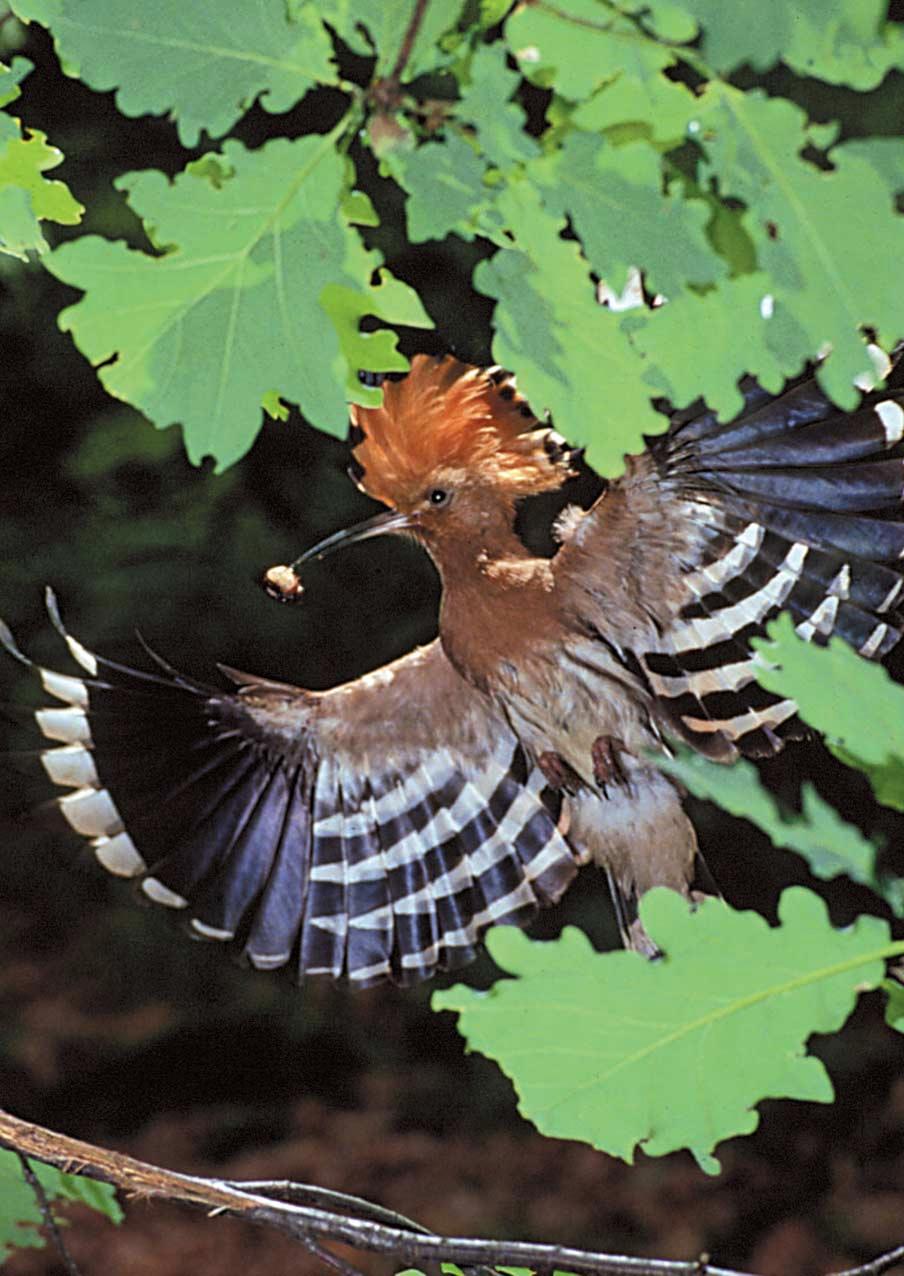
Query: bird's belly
<point x="567" y="702"/>
<point x="634" y="825"/>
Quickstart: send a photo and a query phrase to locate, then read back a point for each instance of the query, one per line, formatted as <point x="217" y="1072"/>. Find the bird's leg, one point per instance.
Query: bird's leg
<point x="607" y="767"/>
<point x="557" y="773"/>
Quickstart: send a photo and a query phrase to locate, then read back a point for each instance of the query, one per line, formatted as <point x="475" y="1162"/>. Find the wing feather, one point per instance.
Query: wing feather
<point x="717" y="528"/>
<point x="369" y="832"/>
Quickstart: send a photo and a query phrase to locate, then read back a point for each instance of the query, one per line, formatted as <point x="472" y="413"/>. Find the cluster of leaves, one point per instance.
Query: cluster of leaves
<point x="757" y="226"/>
<point x="578" y="142"/>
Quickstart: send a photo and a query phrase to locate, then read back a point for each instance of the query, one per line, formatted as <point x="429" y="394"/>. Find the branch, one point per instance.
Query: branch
<point x="312" y="1215"/>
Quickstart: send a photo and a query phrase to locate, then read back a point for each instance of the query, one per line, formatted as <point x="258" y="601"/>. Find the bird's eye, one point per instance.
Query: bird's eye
<point x="439" y="496"/>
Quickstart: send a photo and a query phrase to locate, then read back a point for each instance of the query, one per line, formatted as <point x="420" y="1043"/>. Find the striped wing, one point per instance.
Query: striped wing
<point x="371" y="832"/>
<point x="793" y="505"/>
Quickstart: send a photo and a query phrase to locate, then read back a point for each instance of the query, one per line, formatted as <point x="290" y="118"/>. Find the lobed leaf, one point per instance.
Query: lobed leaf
<point x="659" y="108"/>
<point x="26" y="195"/>
<point x="486" y="103"/>
<point x="445" y="185"/>
<point x="815" y="231"/>
<point x="579" y="45"/>
<point x="377" y="27"/>
<point x="833" y="687"/>
<point x="849" y="42"/>
<point x="828" y="843"/>
<point x="573" y="357"/>
<point x="202" y="64"/>
<point x="620" y="1052"/>
<point x="614" y="197"/>
<point x="237" y="307"/>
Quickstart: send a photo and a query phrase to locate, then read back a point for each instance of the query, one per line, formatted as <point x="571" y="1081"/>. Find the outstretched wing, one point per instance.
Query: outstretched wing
<point x="371" y="831"/>
<point x="717" y="527"/>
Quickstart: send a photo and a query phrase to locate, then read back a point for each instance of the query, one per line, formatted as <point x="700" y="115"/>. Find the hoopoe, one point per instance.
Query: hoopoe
<point x="375" y="830"/>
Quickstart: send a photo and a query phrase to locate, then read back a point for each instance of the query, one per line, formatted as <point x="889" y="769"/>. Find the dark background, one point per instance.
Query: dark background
<point x="115" y="1028"/>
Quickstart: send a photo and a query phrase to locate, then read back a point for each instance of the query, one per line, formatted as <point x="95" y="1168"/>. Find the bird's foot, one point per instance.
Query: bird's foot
<point x="607" y="764"/>
<point x="557" y="773"/>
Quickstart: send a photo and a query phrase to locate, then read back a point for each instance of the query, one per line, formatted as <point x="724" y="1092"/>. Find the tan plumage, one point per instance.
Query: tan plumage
<point x="376" y="829"/>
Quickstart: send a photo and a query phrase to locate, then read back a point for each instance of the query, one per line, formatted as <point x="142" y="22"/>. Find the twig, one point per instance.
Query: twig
<point x="883" y="1263"/>
<point x="408" y="39"/>
<point x="332" y="1260"/>
<point x="53" y="1228"/>
<point x="385" y="92"/>
<point x="349" y="1220"/>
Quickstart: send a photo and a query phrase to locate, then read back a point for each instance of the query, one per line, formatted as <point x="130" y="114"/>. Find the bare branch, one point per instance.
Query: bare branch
<point x="884" y="1263"/>
<point x="313" y="1215"/>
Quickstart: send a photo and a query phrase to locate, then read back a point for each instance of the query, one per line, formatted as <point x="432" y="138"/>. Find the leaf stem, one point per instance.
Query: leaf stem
<point x="386" y="92"/>
<point x="408" y="39"/>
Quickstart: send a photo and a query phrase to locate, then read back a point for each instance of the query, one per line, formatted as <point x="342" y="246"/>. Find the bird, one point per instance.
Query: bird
<point x="375" y="830"/>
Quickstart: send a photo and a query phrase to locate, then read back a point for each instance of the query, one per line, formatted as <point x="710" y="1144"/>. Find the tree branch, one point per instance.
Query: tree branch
<point x="312" y="1215"/>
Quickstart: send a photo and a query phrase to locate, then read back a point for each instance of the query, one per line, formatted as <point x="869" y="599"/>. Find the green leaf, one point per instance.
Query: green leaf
<point x="445" y="186"/>
<point x="235" y="308"/>
<point x="348" y="306"/>
<point x="492" y="11"/>
<point x="894" y="1010"/>
<point x="20" y="1216"/>
<point x="815" y="232"/>
<point x="833" y="687"/>
<point x="579" y="45"/>
<point x="11" y="77"/>
<point x="745" y="330"/>
<point x="621" y="1052"/>
<point x="828" y="843"/>
<point x="570" y="352"/>
<point x="26" y="196"/>
<point x="203" y="64"/>
<point x="848" y="42"/>
<point x="378" y="26"/>
<point x="614" y="197"/>
<point x="485" y="102"/>
<point x="662" y="107"/>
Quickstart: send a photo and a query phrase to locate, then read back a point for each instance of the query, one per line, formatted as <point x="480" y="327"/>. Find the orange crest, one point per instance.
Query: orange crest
<point x="446" y="416"/>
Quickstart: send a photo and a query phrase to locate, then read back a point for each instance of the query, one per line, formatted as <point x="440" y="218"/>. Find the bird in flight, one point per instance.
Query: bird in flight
<point x="375" y="830"/>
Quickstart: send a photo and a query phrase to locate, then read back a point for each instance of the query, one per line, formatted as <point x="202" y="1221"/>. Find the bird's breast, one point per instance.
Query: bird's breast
<point x="569" y="694"/>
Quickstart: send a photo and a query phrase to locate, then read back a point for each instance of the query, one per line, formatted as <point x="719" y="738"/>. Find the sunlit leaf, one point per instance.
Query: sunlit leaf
<point x="828" y="843"/>
<point x="203" y="64"/>
<point x="621" y="1052"/>
<point x="614" y="197"/>
<point x="573" y="357"/>
<point x="832" y="685"/>
<point x="236" y="307"/>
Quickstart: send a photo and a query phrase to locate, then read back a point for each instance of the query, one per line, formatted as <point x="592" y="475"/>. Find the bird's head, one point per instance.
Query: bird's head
<point x="450" y="450"/>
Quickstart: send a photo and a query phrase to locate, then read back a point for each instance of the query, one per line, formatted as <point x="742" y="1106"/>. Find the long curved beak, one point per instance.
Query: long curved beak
<point x="284" y="584"/>
<point x="387" y="521"/>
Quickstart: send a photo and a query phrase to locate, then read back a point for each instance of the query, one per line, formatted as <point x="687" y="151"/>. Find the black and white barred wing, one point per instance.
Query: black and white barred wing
<point x="370" y="832"/>
<point x="797" y="506"/>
